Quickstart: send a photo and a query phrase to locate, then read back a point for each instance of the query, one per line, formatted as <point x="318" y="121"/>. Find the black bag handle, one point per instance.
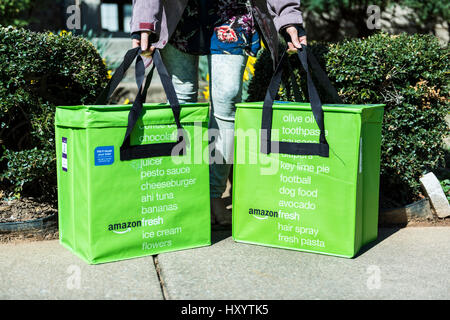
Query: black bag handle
<point x="320" y="76"/>
<point x="127" y="151"/>
<point x="293" y="148"/>
<point x="117" y="77"/>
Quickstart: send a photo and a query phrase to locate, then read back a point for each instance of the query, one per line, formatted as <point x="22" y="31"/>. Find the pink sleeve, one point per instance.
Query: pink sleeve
<point x="285" y="12"/>
<point x="146" y="15"/>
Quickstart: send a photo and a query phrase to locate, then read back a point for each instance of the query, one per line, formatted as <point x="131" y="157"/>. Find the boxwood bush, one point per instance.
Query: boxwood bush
<point x="12" y="12"/>
<point x="39" y="71"/>
<point x="408" y="73"/>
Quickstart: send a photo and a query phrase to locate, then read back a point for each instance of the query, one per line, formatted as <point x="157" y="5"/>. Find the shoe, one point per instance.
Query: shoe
<point x="220" y="215"/>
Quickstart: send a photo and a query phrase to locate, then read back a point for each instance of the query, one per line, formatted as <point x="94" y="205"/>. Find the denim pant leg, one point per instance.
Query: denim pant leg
<point x="184" y="70"/>
<point x="226" y="72"/>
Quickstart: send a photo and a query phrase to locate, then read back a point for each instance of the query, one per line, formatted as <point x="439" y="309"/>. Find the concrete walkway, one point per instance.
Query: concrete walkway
<point x="409" y="263"/>
<point x="46" y="270"/>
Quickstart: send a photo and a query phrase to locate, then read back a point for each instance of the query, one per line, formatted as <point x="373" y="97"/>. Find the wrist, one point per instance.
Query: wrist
<point x="300" y="31"/>
<point x="137" y="36"/>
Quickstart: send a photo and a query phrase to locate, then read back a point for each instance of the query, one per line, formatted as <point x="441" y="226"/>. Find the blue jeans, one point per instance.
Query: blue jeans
<point x="226" y="72"/>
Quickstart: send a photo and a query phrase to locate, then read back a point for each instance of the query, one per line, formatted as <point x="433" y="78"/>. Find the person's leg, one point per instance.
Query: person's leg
<point x="226" y="73"/>
<point x="184" y="70"/>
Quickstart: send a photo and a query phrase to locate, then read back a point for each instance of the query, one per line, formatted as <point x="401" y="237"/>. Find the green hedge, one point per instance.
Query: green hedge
<point x="39" y="71"/>
<point x="12" y="11"/>
<point x="408" y="73"/>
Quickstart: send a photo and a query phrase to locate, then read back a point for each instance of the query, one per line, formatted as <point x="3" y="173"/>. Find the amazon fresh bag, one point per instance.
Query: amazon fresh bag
<point x="120" y="199"/>
<point x="306" y="176"/>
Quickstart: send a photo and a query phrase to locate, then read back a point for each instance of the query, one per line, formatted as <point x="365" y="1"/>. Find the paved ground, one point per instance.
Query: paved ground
<point x="46" y="270"/>
<point x="409" y="263"/>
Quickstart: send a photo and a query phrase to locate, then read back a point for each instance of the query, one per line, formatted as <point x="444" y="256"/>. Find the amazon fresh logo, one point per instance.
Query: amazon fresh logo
<point x="262" y="214"/>
<point x="124" y="227"/>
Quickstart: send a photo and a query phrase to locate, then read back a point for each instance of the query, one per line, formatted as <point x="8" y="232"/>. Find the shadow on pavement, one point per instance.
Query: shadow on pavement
<point x="219" y="235"/>
<point x="383" y="234"/>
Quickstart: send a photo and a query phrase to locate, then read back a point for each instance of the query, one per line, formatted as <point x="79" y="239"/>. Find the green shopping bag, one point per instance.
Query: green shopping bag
<point x="306" y="176"/>
<point x="130" y="182"/>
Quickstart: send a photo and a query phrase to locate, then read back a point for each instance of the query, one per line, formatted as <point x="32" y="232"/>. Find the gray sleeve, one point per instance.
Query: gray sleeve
<point x="146" y="15"/>
<point x="285" y="12"/>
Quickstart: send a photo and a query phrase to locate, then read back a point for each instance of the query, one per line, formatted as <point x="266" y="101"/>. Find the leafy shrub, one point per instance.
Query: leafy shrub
<point x="102" y="42"/>
<point x="408" y="73"/>
<point x="426" y="12"/>
<point x="446" y="187"/>
<point x="39" y="71"/>
<point x="328" y="17"/>
<point x="11" y="12"/>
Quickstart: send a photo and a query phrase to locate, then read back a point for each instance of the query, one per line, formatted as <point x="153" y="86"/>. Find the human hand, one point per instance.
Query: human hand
<point x="147" y="51"/>
<point x="296" y="41"/>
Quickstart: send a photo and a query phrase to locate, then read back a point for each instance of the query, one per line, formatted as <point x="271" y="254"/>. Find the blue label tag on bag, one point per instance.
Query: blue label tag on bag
<point x="282" y="102"/>
<point x="104" y="156"/>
